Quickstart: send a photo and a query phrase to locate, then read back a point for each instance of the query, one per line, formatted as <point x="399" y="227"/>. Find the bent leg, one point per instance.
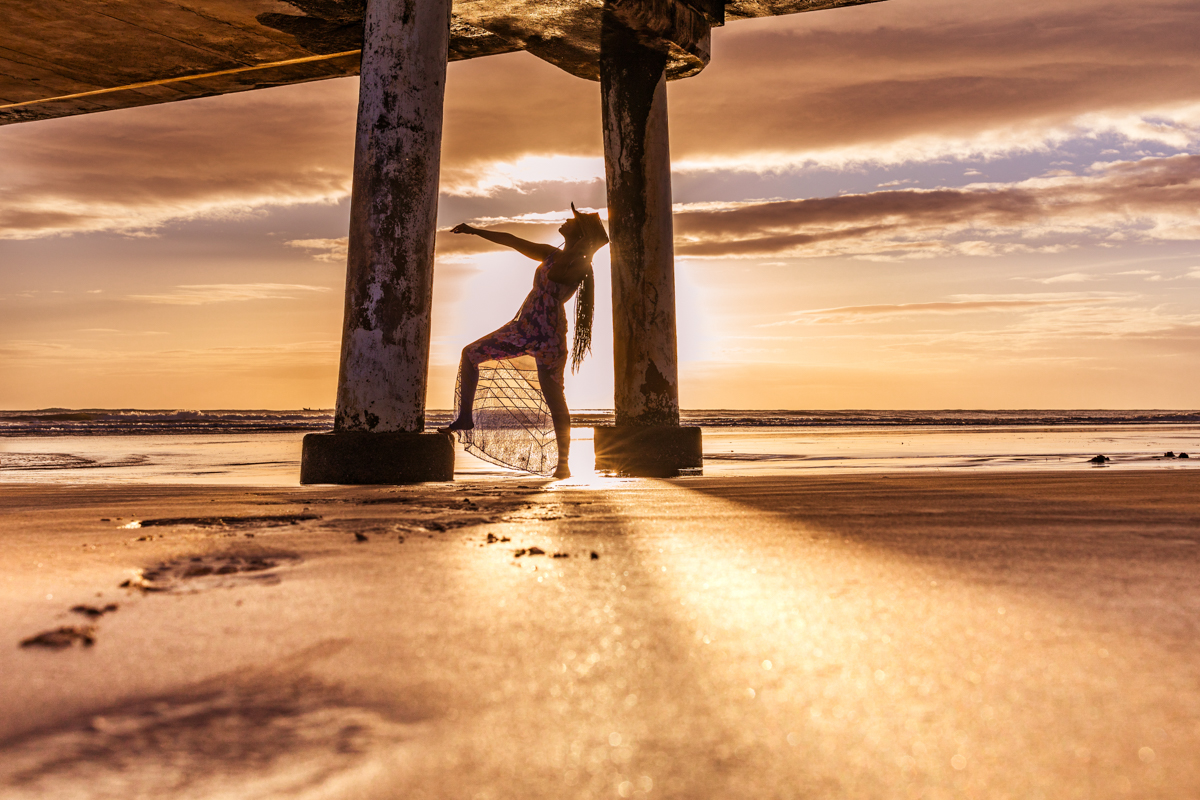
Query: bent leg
<point x="468" y="382"/>
<point x="490" y="347"/>
<point x="551" y="381"/>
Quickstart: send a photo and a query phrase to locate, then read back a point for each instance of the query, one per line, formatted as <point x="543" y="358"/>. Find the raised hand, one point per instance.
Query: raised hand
<point x="462" y="227"/>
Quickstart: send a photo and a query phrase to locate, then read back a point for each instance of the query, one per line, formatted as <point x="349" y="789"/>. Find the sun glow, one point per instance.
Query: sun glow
<point x="484" y="180"/>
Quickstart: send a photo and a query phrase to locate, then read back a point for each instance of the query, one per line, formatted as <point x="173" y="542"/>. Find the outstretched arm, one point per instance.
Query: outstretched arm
<point x="534" y="250"/>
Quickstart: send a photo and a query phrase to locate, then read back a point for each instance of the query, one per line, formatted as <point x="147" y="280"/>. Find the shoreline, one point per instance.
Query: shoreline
<point x="273" y="459"/>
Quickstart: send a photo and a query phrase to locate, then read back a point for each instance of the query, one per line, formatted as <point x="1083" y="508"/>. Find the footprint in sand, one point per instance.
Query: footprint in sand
<point x="94" y="611"/>
<point x="267" y="737"/>
<point x="192" y="574"/>
<point x="63" y="637"/>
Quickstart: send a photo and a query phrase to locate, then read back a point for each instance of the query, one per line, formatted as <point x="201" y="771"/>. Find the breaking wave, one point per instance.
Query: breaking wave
<point x="124" y="422"/>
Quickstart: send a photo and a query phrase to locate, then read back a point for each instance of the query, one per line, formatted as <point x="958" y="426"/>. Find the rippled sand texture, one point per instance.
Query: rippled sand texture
<point x="991" y="635"/>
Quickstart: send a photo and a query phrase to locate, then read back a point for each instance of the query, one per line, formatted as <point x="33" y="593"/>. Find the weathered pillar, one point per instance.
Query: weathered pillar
<point x="647" y="439"/>
<point x="378" y="429"/>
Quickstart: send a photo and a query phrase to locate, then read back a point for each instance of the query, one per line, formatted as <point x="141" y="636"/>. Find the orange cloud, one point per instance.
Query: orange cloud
<point x="1154" y="198"/>
<point x="913" y="79"/>
<point x="892" y="310"/>
<point x="132" y="171"/>
<point x="204" y="294"/>
<point x="892" y="81"/>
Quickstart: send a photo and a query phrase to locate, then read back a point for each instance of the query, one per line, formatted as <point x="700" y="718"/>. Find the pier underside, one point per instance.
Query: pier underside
<point x="60" y="58"/>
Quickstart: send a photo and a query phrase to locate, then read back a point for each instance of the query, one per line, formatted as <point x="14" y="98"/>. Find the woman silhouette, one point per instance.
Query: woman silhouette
<point x="540" y="327"/>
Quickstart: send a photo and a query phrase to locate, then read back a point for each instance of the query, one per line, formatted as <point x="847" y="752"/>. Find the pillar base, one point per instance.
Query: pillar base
<point x="358" y="457"/>
<point x="664" y="451"/>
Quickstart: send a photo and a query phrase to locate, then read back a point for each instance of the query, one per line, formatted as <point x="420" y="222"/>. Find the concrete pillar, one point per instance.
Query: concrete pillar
<point x="378" y="428"/>
<point x="647" y="438"/>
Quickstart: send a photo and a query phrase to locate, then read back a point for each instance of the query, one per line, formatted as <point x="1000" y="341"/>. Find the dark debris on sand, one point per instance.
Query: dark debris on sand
<point x="62" y="637"/>
<point x="94" y="611"/>
<point x="262" y="520"/>
<point x="529" y="551"/>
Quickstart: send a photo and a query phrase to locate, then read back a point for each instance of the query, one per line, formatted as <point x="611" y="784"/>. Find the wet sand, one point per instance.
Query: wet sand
<point x="999" y="634"/>
<point x="273" y="459"/>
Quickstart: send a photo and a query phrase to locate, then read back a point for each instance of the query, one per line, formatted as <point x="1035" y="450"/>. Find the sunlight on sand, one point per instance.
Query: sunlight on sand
<point x="583" y="465"/>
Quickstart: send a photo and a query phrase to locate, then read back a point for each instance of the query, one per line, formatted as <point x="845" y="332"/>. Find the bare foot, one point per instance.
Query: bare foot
<point x="562" y="472"/>
<point x="458" y="425"/>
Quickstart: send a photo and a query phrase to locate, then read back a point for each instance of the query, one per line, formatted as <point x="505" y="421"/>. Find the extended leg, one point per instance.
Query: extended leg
<point x="556" y="399"/>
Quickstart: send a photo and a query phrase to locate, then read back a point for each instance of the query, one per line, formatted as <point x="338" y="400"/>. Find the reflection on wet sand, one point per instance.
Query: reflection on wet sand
<point x="876" y="636"/>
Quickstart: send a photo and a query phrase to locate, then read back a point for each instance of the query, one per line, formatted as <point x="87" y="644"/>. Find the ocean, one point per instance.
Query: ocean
<point x="261" y="447"/>
<point x="127" y="422"/>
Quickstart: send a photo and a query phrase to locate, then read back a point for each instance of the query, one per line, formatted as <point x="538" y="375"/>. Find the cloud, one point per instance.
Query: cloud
<point x="485" y="177"/>
<point x="922" y="79"/>
<point x="204" y="294"/>
<point x="133" y="171"/>
<point x="556" y="217"/>
<point x="885" y="83"/>
<point x="964" y="305"/>
<point x="453" y="245"/>
<point x="331" y="250"/>
<point x="1070" y="277"/>
<point x="1063" y="331"/>
<point x="205" y="366"/>
<point x="1150" y="199"/>
<point x="119" y="332"/>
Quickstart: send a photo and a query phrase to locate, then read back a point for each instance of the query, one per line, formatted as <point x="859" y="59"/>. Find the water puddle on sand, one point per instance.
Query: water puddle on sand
<point x="52" y="461"/>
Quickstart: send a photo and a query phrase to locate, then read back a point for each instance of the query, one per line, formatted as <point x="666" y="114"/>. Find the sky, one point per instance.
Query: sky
<point x="908" y="204"/>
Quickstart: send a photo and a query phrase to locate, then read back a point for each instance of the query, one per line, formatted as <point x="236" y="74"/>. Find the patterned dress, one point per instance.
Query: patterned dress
<point x="538" y="330"/>
<point x="513" y="425"/>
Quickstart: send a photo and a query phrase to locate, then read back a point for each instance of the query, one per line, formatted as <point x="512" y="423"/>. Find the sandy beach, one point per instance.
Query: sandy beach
<point x="987" y="635"/>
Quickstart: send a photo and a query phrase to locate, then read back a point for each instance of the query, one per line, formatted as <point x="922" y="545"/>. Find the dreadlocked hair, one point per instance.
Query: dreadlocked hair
<point x="585" y="307"/>
<point x="591" y="229"/>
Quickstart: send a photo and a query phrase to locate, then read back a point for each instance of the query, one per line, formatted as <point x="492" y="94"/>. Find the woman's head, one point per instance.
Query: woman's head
<point x="587" y="227"/>
<point x="570" y="231"/>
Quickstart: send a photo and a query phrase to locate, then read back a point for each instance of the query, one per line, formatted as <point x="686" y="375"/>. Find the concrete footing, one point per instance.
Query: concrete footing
<point x="660" y="451"/>
<point x="359" y="457"/>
